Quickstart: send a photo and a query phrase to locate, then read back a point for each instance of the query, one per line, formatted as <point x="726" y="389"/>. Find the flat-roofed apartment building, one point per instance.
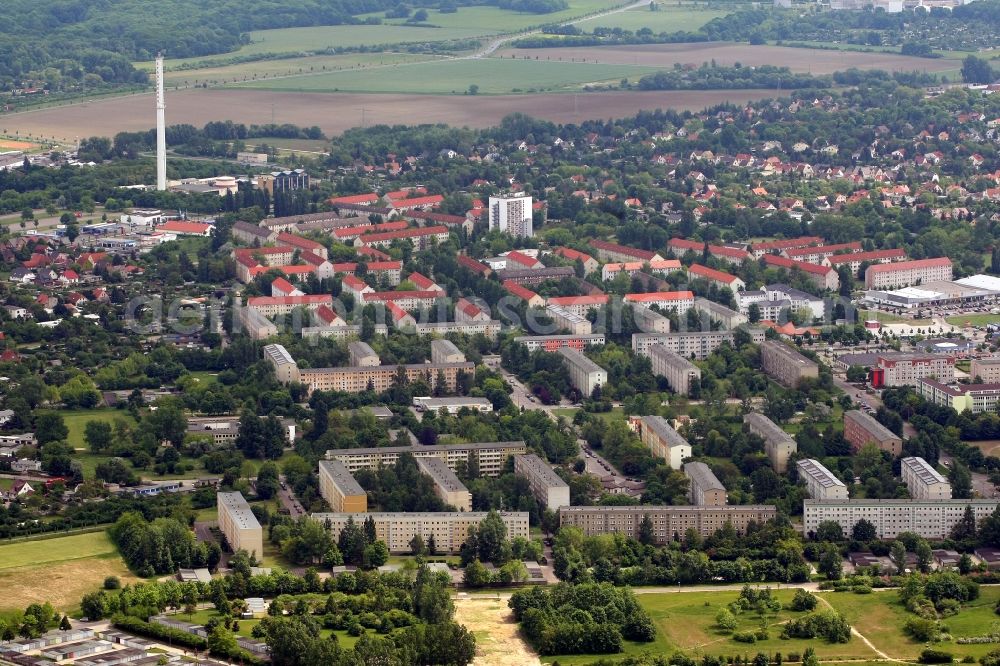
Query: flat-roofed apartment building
<point x="906" y="369"/>
<point x="669" y="522"/>
<point x="705" y="487"/>
<point x="380" y="378"/>
<point x="690" y="344"/>
<point x="568" y="320"/>
<point x="931" y="519"/>
<point x="551" y="343"/>
<point x="821" y="484"/>
<point x="778" y="444"/>
<point x="341" y="490"/>
<point x="923" y="481"/>
<point x="976" y="398"/>
<point x="547" y="486"/>
<point x="648" y="321"/>
<point x="239" y="525"/>
<point x="362" y="355"/>
<point x="861" y="429"/>
<point x="717" y="312"/>
<point x="446" y="485"/>
<point x="492" y="456"/>
<point x="284" y="365"/>
<point x="663" y="441"/>
<point x="680" y="373"/>
<point x="445" y="351"/>
<point x="449" y="529"/>
<point x="584" y="374"/>
<point x="985" y="370"/>
<point x="491" y="328"/>
<point x="786" y="365"/>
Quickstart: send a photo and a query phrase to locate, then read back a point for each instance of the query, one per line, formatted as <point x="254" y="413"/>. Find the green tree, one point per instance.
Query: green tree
<point x="975" y="70"/>
<point x="98" y="435"/>
<point x="726" y="620"/>
<point x="49" y="427"/>
<point x="830" y="563"/>
<point x="864" y="531"/>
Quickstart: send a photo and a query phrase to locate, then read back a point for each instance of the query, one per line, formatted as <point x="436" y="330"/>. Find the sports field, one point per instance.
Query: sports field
<point x="59" y="570"/>
<point x="14" y="144"/>
<point x="491" y="75"/>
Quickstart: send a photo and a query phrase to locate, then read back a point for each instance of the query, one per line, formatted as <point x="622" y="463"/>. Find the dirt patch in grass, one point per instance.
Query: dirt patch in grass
<point x="62" y="584"/>
<point x="11" y="144"/>
<point x="498" y="642"/>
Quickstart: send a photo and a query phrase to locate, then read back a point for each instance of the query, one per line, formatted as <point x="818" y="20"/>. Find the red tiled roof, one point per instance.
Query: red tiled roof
<point x="711" y="274"/>
<point x="472" y="264"/>
<point x="326" y="313"/>
<point x="661" y="296"/>
<point x="308" y="299"/>
<point x="423" y="282"/>
<point x="396" y="311"/>
<point x="521" y="258"/>
<point x="406" y="233"/>
<point x="371" y="197"/>
<point x="905" y="265"/>
<point x="179" y="226"/>
<point x="597" y="299"/>
<point x="373" y="252"/>
<point x="623" y="249"/>
<point x="572" y="255"/>
<point x="804" y="266"/>
<point x="417" y="201"/>
<point x="282" y="285"/>
<point x="353" y="282"/>
<point x="311" y="258"/>
<point x="826" y="249"/>
<point x="297" y="270"/>
<point x="468" y="307"/>
<point x="299" y="241"/>
<point x="802" y="241"/>
<point x="519" y="291"/>
<point x="874" y="255"/>
<point x="400" y="295"/>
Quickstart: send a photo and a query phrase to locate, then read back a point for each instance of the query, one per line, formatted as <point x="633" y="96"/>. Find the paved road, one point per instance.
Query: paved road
<point x="288" y="500"/>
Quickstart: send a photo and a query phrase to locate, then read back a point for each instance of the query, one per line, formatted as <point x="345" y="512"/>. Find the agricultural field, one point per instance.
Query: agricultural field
<point x="685" y="621"/>
<point x="813" y="61"/>
<point x="334" y="113"/>
<point x="666" y="19"/>
<point x="59" y="570"/>
<point x="267" y="69"/>
<point x="506" y="21"/>
<point x="491" y="75"/>
<point x="299" y="40"/>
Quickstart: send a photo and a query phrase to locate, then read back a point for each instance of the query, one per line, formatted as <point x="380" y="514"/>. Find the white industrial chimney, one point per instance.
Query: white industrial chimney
<point x="161" y="128"/>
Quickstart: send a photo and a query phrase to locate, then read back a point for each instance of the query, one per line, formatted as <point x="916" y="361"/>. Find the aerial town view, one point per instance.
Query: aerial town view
<point x="499" y="332"/>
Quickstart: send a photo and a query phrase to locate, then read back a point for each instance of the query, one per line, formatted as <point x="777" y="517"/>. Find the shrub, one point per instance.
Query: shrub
<point x="935" y="657"/>
<point x="861" y="589"/>
<point x="745" y="637"/>
<point x="804" y="601"/>
<point x="112" y="583"/>
<point x="921" y="629"/>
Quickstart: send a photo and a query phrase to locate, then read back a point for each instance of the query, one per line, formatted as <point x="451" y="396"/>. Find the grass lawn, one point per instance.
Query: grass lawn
<point x="667" y="19"/>
<point x="59" y="570"/>
<point x="887" y="318"/>
<point x="974" y="319"/>
<point x="246" y="626"/>
<point x="76" y="421"/>
<point x="880" y="617"/>
<point x="298" y="40"/>
<point x="616" y="413"/>
<point x="492" y="75"/>
<point x="686" y="621"/>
